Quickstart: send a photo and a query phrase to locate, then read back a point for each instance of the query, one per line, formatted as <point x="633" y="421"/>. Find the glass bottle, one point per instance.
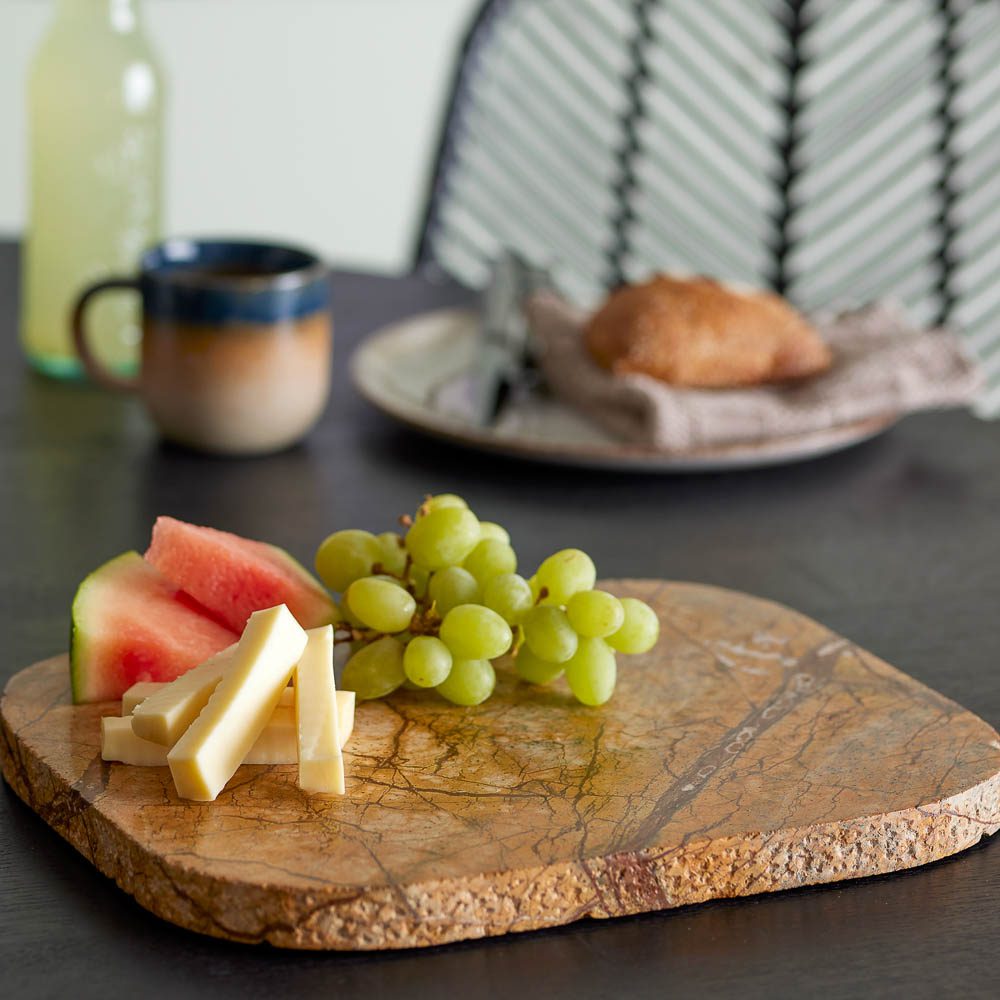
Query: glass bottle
<point x="95" y="119"/>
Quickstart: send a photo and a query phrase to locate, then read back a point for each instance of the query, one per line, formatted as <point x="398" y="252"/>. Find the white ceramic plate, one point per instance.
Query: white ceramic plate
<point x="417" y="371"/>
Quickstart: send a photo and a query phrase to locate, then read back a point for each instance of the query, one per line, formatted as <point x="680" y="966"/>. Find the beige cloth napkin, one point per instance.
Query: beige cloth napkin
<point x="881" y="367"/>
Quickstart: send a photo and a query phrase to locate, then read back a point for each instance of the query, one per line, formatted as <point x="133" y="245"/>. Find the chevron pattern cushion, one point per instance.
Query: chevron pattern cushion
<point x="839" y="151"/>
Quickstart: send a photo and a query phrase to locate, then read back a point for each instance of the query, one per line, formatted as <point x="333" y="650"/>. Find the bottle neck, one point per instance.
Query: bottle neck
<point x="119" y="16"/>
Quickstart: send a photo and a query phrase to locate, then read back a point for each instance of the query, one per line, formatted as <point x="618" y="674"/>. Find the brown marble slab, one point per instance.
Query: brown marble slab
<point x="752" y="750"/>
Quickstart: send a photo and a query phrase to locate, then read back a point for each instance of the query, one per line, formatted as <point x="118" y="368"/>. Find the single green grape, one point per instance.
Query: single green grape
<point x="427" y="661"/>
<point x="375" y="670"/>
<point x="470" y="682"/>
<point x="452" y="586"/>
<point x="595" y="613"/>
<point x="490" y="558"/>
<point x="346" y="556"/>
<point x="566" y="573"/>
<point x="439" y="502"/>
<point x="345" y="614"/>
<point x="488" y="529"/>
<point x="509" y="595"/>
<point x="473" y="632"/>
<point x="548" y="633"/>
<point x="444" y="537"/>
<point x="534" y="670"/>
<point x="392" y="553"/>
<point x="591" y="671"/>
<point x="639" y="631"/>
<point x="382" y="604"/>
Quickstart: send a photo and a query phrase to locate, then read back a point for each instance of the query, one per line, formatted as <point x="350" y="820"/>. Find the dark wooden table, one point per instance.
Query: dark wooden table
<point x="895" y="544"/>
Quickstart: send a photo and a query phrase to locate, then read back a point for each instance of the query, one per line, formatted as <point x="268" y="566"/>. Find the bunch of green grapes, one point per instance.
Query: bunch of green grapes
<point x="433" y="607"/>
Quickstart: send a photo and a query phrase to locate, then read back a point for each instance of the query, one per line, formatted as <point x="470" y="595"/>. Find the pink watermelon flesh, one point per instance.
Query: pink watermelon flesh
<point x="234" y="576"/>
<point x="131" y="624"/>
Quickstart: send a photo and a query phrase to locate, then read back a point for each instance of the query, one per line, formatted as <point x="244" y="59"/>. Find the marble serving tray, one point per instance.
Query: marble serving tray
<point x="752" y="750"/>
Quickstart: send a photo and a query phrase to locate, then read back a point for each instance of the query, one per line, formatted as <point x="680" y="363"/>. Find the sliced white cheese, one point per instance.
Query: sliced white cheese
<point x="142" y="690"/>
<point x="277" y="744"/>
<point x="346" y="701"/>
<point x="214" y="745"/>
<point x="138" y="693"/>
<point x="166" y="713"/>
<point x="321" y="764"/>
<point x="118" y="742"/>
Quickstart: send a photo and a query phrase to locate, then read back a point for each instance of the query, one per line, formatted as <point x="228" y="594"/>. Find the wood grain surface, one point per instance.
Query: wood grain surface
<point x="752" y="750"/>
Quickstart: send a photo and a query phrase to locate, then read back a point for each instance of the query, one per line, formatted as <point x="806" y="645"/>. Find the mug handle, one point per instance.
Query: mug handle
<point x="91" y="365"/>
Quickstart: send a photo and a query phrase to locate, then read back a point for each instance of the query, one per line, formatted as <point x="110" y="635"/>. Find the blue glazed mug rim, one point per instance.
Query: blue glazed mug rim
<point x="185" y="261"/>
<point x="281" y="283"/>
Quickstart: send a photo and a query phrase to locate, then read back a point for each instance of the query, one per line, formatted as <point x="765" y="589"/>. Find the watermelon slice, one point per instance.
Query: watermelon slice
<point x="131" y="624"/>
<point x="234" y="576"/>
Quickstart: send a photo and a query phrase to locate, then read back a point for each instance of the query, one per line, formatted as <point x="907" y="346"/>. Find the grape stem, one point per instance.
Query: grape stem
<point x="344" y="632"/>
<point x="425" y="622"/>
<point x="378" y="569"/>
<point x="428" y="623"/>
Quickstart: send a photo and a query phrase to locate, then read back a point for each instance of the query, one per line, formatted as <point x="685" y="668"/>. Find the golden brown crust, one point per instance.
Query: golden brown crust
<point x="695" y="332"/>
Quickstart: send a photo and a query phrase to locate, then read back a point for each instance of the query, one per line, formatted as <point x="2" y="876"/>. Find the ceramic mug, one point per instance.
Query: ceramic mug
<point x="237" y="342"/>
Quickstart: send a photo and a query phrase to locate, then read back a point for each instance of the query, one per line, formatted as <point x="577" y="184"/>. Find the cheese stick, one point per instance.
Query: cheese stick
<point x="321" y="764"/>
<point x="167" y="713"/>
<point x="211" y="749"/>
<point x="142" y="690"/>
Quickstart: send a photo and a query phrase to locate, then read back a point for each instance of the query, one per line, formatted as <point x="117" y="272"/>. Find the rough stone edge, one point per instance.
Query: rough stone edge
<point x="444" y="911"/>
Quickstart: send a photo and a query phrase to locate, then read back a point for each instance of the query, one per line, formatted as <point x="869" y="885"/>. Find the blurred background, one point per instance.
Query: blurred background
<point x="348" y="94"/>
<point x="840" y="152"/>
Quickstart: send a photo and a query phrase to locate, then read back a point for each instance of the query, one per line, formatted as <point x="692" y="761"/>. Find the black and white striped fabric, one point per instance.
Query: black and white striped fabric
<point x="836" y="150"/>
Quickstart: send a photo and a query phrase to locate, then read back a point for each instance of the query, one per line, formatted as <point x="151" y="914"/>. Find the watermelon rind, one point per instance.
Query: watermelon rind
<point x="77" y="635"/>
<point x="129" y="623"/>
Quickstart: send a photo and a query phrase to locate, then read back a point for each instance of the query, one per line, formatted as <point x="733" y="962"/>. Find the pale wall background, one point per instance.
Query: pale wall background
<point x="314" y="120"/>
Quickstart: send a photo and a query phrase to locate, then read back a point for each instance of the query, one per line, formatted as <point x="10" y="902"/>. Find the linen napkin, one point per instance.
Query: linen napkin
<point x="881" y="367"/>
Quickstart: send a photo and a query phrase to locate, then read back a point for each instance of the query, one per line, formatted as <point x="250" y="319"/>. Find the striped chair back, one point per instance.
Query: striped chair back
<point x="837" y="151"/>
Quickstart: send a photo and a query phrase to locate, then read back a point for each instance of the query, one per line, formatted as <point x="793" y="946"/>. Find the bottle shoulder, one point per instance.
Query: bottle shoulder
<point x="70" y="49"/>
<point x="132" y="76"/>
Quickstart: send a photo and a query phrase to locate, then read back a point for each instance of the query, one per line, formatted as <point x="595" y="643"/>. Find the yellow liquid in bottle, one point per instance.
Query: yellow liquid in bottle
<point x="95" y="123"/>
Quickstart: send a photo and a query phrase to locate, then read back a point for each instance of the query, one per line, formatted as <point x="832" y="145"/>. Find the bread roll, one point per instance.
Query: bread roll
<point x="695" y="332"/>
